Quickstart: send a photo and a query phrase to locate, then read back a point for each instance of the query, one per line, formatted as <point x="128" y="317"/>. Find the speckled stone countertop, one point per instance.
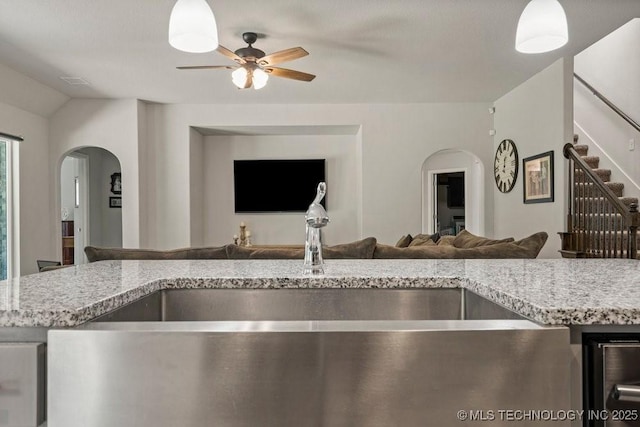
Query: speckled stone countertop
<point x="553" y="292"/>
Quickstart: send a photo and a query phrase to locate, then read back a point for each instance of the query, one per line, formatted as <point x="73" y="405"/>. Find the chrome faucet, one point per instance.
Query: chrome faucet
<point x="316" y="218"/>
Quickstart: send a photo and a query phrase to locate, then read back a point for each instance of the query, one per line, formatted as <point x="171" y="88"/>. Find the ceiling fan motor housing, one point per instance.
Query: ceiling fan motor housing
<point x="249" y="52"/>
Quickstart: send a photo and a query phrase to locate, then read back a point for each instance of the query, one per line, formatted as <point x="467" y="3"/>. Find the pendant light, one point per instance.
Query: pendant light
<point x="542" y="27"/>
<point x="192" y="27"/>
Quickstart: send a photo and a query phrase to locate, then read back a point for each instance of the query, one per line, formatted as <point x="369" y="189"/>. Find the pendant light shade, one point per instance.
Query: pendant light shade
<point x="192" y="27"/>
<point x="542" y="27"/>
<point x="244" y="77"/>
<point x="259" y="78"/>
<point x="239" y="77"/>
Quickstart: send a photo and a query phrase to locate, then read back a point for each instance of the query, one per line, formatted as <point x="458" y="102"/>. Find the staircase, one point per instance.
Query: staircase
<point x="602" y="222"/>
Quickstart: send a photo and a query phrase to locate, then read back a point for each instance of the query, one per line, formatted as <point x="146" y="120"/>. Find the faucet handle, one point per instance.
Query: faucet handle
<point x="316" y="215"/>
<point x="320" y="193"/>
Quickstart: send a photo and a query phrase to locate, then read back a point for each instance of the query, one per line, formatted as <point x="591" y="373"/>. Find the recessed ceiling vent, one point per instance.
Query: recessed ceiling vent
<point x="75" y="81"/>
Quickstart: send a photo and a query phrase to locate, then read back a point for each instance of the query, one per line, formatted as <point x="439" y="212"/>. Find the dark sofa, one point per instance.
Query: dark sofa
<point x="463" y="246"/>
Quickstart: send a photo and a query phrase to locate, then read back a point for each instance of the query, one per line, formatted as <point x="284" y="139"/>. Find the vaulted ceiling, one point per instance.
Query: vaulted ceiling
<point x="362" y="51"/>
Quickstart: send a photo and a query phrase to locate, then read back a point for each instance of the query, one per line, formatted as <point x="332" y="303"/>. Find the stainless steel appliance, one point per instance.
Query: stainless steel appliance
<point x="612" y="380"/>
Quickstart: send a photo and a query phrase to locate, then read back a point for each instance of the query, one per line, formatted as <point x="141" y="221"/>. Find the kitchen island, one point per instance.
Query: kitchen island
<point x="549" y="292"/>
<point x="574" y="296"/>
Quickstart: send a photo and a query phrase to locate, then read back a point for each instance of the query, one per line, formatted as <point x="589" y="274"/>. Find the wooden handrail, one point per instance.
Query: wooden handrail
<point x="572" y="154"/>
<point x="610" y="104"/>
<point x="597" y="222"/>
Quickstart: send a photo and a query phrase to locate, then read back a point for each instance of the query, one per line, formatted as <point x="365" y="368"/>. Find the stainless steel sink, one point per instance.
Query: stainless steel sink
<point x="310" y="304"/>
<point x="305" y="357"/>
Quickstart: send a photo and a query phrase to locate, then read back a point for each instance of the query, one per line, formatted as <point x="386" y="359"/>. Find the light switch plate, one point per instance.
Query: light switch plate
<point x="632" y="144"/>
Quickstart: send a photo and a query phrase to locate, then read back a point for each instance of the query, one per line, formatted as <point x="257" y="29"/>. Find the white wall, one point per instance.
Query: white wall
<point x="109" y="124"/>
<point x="67" y="186"/>
<point x="537" y="116"/>
<point x="201" y="191"/>
<point x="27" y="94"/>
<point x="395" y="140"/>
<point x="36" y="223"/>
<point x="279" y="228"/>
<point x="143" y="174"/>
<point x="105" y="223"/>
<point x="612" y="66"/>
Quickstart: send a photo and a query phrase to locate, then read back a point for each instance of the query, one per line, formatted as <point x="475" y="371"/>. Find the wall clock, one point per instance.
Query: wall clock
<point x="505" y="165"/>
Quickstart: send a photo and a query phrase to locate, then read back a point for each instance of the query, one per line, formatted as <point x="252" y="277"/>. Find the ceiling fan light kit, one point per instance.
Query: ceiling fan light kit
<point x="253" y="66"/>
<point x="542" y="27"/>
<point x="192" y="27"/>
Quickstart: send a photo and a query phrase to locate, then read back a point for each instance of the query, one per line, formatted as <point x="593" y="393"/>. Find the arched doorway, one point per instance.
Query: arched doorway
<point x="467" y="169"/>
<point x="91" y="202"/>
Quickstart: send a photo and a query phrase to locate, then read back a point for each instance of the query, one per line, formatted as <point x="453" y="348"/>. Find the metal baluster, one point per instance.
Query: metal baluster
<point x="582" y="210"/>
<point x="587" y="218"/>
<point x="609" y="216"/>
<point x="602" y="221"/>
<point x="634" y="221"/>
<point x="614" y="227"/>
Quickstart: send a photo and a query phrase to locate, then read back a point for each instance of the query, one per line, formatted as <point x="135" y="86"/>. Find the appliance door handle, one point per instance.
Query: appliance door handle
<point x="626" y="393"/>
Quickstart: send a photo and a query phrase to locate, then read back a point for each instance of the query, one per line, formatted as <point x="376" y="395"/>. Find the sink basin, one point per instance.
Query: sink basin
<point x="310" y="304"/>
<point x="305" y="358"/>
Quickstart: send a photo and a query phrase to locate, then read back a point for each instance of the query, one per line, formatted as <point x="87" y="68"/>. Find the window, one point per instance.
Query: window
<point x="8" y="238"/>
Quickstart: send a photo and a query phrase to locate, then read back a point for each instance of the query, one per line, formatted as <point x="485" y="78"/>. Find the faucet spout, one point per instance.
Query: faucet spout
<point x="316" y="218"/>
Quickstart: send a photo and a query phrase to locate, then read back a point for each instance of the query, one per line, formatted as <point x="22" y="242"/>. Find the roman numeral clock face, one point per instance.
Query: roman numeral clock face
<point x="505" y="165"/>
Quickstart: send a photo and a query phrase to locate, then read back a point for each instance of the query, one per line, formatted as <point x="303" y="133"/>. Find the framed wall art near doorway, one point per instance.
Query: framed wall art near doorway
<point x="538" y="178"/>
<point x="116" y="183"/>
<point x="115" y="202"/>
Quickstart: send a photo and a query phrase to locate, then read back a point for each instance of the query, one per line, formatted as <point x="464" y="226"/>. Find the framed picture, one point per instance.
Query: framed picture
<point x="538" y="178"/>
<point x="115" y="202"/>
<point x="116" y="183"/>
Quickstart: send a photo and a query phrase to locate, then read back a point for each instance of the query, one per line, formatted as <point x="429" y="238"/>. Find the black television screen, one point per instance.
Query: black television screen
<point x="276" y="185"/>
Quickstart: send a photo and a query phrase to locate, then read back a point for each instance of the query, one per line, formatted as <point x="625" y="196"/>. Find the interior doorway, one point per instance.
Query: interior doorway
<point x="470" y="171"/>
<point x="449" y="202"/>
<point x="74" y="179"/>
<point x="91" y="202"/>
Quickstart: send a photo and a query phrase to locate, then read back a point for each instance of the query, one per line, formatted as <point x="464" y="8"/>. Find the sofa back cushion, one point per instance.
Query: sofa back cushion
<point x="465" y="240"/>
<point x="361" y="249"/>
<point x="95" y="253"/>
<point x="414" y="252"/>
<point x="529" y="247"/>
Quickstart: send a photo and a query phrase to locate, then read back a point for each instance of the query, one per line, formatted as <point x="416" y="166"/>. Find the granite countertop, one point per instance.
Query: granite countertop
<point x="553" y="292"/>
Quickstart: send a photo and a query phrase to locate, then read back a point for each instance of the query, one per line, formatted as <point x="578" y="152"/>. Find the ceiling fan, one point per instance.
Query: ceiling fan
<point x="254" y="66"/>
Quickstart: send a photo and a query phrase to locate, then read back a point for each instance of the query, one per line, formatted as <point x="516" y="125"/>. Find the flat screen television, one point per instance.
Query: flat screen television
<point x="276" y="185"/>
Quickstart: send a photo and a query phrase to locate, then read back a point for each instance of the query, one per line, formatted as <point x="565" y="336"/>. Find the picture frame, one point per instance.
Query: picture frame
<point x="538" y="178"/>
<point x="116" y="183"/>
<point x="115" y="202"/>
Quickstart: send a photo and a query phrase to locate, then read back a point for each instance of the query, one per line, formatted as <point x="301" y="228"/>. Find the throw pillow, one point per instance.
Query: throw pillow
<point x="422" y="241"/>
<point x="404" y="241"/>
<point x="465" y="240"/>
<point x="446" y="240"/>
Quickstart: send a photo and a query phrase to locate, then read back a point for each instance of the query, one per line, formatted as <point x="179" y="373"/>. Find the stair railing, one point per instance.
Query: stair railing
<point x="599" y="225"/>
<point x="609" y="104"/>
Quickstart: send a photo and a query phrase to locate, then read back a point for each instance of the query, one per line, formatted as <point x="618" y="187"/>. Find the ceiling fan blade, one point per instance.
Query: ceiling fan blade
<point x="289" y="74"/>
<point x="202" y="67"/>
<point x="229" y="54"/>
<point x="283" y="56"/>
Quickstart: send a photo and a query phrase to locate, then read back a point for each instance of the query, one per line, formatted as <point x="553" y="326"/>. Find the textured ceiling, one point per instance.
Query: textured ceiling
<point x="362" y="51"/>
